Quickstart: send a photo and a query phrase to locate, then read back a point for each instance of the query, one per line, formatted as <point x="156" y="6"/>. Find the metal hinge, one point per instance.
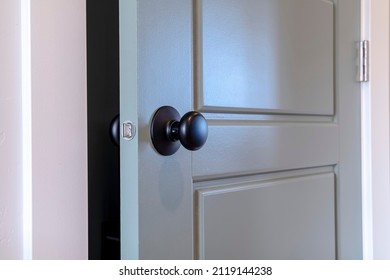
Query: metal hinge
<point x="363" y="61"/>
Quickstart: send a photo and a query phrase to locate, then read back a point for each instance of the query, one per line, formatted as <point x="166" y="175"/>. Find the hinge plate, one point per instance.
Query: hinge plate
<point x="363" y="61"/>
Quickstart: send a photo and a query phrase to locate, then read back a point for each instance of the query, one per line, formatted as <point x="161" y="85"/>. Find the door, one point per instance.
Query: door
<point x="279" y="174"/>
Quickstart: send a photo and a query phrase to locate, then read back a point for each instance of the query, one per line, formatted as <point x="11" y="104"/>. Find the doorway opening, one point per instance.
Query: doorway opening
<point x="103" y="106"/>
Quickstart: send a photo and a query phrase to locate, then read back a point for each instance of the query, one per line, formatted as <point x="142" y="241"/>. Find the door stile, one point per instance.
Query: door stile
<point x="129" y="200"/>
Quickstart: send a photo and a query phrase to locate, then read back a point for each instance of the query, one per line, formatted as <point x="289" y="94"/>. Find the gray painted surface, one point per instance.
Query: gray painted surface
<point x="246" y="148"/>
<point x="165" y="78"/>
<point x="128" y="111"/>
<point x="248" y="138"/>
<point x="289" y="218"/>
<point x="265" y="56"/>
<point x="348" y="108"/>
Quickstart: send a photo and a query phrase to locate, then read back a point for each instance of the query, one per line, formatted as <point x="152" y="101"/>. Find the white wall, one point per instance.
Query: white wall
<point x="59" y="185"/>
<point x="379" y="105"/>
<point x="11" y="231"/>
<point x="57" y="196"/>
<point x="59" y="129"/>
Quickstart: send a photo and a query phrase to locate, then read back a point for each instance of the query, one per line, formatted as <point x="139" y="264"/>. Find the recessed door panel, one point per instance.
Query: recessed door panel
<point x="265" y="56"/>
<point x="258" y="147"/>
<point x="291" y="218"/>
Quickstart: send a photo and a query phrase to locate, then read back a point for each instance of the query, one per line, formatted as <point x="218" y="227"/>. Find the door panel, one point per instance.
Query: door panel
<point x="275" y="81"/>
<point x="254" y="147"/>
<point x="254" y="58"/>
<point x="265" y="56"/>
<point x="288" y="218"/>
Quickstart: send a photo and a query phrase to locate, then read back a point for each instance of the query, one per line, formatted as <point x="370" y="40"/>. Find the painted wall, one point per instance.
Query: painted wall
<point x="59" y="132"/>
<point x="59" y="129"/>
<point x="380" y="127"/>
<point x="11" y="239"/>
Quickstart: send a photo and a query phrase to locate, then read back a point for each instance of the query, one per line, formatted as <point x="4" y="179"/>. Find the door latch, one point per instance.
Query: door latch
<point x="128" y="131"/>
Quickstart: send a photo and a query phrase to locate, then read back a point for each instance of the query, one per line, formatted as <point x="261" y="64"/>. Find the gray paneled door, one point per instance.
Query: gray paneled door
<point x="279" y="175"/>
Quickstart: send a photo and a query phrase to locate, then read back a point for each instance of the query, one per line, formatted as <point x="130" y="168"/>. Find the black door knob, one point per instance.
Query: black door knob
<point x="167" y="131"/>
<point x="114" y="130"/>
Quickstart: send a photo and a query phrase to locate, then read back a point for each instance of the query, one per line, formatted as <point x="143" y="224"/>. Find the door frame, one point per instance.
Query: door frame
<point x="375" y="129"/>
<point x="46" y="129"/>
<point x="376" y="132"/>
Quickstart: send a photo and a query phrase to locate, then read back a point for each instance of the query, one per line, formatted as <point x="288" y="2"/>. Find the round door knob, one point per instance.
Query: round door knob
<point x="167" y="131"/>
<point x="114" y="130"/>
